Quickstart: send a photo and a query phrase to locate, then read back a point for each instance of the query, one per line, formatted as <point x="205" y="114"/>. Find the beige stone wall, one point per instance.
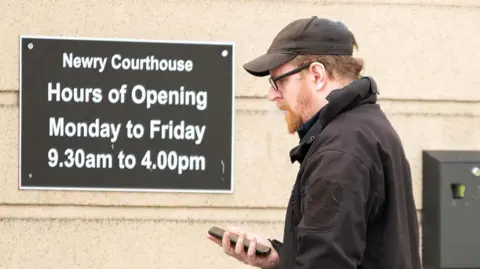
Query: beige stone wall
<point x="423" y="53"/>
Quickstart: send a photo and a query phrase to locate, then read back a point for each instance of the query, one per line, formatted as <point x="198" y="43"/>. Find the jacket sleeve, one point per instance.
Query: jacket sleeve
<point x="332" y="231"/>
<point x="277" y="245"/>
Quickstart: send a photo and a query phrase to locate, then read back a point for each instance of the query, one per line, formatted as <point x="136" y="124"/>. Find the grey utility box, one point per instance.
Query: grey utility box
<point x="451" y="209"/>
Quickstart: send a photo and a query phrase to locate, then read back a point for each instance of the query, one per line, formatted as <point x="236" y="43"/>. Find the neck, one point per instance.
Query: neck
<point x="320" y="101"/>
<point x="313" y="109"/>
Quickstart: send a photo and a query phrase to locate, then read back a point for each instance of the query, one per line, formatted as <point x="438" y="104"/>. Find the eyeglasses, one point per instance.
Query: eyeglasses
<point x="273" y="80"/>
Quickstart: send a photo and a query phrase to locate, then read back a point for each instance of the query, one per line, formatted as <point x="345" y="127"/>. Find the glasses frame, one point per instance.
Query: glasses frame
<point x="273" y="80"/>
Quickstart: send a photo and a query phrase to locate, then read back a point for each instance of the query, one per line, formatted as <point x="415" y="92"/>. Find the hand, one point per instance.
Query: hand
<point x="248" y="257"/>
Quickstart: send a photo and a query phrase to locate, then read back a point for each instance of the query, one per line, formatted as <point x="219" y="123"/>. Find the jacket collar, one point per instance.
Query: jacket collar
<point x="357" y="93"/>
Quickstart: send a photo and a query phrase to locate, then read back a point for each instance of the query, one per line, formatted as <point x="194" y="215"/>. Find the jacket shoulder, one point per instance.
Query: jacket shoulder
<point x="361" y="133"/>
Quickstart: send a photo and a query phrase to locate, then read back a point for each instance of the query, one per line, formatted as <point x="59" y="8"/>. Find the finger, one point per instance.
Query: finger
<point x="251" y="253"/>
<point x="250" y="236"/>
<point x="227" y="248"/>
<point x="239" y="249"/>
<point x="251" y="249"/>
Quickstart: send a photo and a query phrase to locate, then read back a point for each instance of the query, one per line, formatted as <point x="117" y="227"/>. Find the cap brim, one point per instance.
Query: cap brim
<point x="261" y="66"/>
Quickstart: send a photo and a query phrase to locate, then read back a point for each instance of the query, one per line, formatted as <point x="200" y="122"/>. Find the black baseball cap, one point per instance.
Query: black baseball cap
<point x="314" y="36"/>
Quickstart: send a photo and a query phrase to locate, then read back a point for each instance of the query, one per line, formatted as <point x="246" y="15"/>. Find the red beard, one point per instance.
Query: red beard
<point x="293" y="120"/>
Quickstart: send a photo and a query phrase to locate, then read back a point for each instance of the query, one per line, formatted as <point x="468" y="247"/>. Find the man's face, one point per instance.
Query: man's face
<point x="293" y="95"/>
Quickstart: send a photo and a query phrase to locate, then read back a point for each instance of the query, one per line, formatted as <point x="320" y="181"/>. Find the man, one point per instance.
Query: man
<point x="352" y="204"/>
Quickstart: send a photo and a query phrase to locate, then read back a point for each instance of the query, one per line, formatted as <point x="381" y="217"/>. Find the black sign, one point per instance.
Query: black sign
<point x="126" y="115"/>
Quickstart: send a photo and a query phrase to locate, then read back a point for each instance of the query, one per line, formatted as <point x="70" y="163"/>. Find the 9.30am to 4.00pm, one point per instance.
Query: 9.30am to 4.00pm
<point x="163" y="160"/>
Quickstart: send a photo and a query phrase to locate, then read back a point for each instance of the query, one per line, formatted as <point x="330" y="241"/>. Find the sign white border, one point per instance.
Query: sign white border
<point x="193" y="42"/>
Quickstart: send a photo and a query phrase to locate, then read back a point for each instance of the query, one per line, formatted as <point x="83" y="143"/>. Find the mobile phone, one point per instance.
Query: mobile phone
<point x="261" y="250"/>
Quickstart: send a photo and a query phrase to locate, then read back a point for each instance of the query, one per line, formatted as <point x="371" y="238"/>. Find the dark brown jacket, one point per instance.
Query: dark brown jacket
<point x="352" y="204"/>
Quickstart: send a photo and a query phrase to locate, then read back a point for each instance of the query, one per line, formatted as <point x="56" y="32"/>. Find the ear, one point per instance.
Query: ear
<point x="319" y="74"/>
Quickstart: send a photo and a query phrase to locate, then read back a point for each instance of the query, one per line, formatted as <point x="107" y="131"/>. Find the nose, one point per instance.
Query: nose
<point x="272" y="94"/>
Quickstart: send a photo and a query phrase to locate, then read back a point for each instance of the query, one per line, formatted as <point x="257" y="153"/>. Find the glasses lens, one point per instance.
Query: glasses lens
<point x="274" y="85"/>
